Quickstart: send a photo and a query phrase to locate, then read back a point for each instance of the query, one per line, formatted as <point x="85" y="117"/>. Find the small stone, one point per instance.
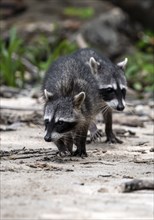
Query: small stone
<point x="102" y="190"/>
<point x="82" y="184"/>
<point x="152" y="149"/>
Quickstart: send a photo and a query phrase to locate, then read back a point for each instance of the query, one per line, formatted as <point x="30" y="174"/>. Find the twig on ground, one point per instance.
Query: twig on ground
<point x="81" y="41"/>
<point x="19" y="108"/>
<point x="137" y="185"/>
<point x="93" y="162"/>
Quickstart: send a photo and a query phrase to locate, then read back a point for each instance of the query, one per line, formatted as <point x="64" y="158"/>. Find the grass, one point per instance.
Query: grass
<point x="82" y="13"/>
<point x="140" y="71"/>
<point x="43" y="51"/>
<point x="11" y="69"/>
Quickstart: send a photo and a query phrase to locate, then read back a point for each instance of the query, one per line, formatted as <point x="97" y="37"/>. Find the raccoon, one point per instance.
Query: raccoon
<point x="112" y="86"/>
<point x="72" y="101"/>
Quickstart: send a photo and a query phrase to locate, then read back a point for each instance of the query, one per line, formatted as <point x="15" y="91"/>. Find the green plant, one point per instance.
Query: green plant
<point x="63" y="48"/>
<point x="83" y="13"/>
<point x="11" y="68"/>
<point x="146" y="42"/>
<point x="42" y="53"/>
<point x="140" y="72"/>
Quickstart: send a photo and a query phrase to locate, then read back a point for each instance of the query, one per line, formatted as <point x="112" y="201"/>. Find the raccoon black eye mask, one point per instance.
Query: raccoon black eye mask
<point x="64" y="126"/>
<point x="108" y="94"/>
<point x="60" y="126"/>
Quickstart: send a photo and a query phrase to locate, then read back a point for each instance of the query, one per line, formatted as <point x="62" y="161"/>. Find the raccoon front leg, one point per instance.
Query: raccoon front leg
<point x="111" y="137"/>
<point x="80" y="142"/>
<point x="68" y="140"/>
<point x="63" y="147"/>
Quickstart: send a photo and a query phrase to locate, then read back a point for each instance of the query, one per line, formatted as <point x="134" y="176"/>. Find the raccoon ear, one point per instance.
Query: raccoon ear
<point x="78" y="99"/>
<point x="123" y="63"/>
<point x="47" y="94"/>
<point x="94" y="65"/>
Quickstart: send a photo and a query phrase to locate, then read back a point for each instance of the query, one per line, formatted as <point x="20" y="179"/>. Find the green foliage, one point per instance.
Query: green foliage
<point x="41" y="53"/>
<point x="43" y="50"/>
<point x="140" y="70"/>
<point x="11" y="68"/>
<point x="146" y="43"/>
<point x="83" y="13"/>
<point x="38" y="52"/>
<point x="63" y="48"/>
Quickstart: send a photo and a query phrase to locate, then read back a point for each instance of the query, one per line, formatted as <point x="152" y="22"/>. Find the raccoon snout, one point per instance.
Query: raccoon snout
<point x="120" y="107"/>
<point x="47" y="138"/>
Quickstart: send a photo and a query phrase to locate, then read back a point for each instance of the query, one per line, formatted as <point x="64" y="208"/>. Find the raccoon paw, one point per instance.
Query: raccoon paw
<point x="112" y="139"/>
<point x="95" y="136"/>
<point x="81" y="154"/>
<point x="64" y="153"/>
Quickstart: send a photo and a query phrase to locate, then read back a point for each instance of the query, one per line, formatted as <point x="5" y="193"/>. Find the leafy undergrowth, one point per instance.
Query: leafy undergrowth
<point x="15" y="55"/>
<point x="140" y="70"/>
<point x="11" y="68"/>
<point x="82" y="13"/>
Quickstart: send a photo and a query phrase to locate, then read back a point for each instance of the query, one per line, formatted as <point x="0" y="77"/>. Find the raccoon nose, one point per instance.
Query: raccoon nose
<point x="47" y="138"/>
<point x="120" y="107"/>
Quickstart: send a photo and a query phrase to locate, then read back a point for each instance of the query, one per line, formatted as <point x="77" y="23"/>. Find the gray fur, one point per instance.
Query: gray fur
<point x="75" y="99"/>
<point x="109" y="76"/>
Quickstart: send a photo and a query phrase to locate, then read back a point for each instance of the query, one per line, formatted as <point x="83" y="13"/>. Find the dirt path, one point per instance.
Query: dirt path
<point x="37" y="184"/>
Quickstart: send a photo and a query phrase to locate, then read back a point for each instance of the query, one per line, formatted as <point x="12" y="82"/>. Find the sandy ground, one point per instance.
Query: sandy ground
<point x="38" y="184"/>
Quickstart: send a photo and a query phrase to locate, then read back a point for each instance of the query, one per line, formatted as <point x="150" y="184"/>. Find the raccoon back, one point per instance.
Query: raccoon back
<point x="68" y="76"/>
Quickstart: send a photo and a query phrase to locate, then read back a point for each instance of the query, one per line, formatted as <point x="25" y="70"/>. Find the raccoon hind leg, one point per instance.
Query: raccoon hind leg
<point x="111" y="137"/>
<point x="95" y="133"/>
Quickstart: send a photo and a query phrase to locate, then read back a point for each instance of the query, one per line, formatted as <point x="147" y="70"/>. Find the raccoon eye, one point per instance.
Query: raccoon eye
<point x="110" y="90"/>
<point x="60" y="122"/>
<point x="46" y="121"/>
<point x="123" y="92"/>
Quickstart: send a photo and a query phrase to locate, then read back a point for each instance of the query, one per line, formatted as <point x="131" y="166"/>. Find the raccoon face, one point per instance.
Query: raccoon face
<point x="111" y="82"/>
<point x="61" y="116"/>
<point x="114" y="96"/>
<point x="56" y="130"/>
